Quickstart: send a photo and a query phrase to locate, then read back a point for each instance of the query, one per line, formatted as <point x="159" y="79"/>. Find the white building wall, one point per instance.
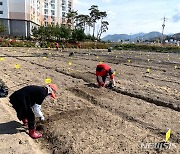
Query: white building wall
<point x="4" y="8"/>
<point x="25" y="14"/>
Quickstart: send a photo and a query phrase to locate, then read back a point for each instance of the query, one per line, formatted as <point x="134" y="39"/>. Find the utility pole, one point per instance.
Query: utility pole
<point x="163" y="25"/>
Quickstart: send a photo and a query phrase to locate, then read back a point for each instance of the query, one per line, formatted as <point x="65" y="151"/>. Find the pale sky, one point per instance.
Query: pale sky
<point x="134" y="16"/>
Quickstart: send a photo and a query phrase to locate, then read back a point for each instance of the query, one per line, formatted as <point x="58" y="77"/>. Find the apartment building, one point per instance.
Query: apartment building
<point x="21" y="16"/>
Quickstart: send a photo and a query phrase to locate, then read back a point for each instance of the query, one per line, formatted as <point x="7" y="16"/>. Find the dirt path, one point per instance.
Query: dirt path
<point x="86" y="119"/>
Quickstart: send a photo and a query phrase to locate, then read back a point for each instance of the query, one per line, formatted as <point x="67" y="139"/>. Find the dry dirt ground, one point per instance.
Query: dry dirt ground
<point x="85" y="119"/>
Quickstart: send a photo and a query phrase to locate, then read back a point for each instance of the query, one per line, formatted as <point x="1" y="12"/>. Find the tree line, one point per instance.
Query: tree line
<point x="78" y="27"/>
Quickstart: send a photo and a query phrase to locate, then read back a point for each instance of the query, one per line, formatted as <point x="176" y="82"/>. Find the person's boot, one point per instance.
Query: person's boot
<point x="25" y="122"/>
<point x="34" y="134"/>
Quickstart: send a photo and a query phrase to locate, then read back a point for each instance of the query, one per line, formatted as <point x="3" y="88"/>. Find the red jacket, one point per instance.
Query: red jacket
<point x="104" y="70"/>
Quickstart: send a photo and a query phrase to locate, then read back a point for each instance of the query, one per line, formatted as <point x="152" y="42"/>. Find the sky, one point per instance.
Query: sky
<point x="135" y="16"/>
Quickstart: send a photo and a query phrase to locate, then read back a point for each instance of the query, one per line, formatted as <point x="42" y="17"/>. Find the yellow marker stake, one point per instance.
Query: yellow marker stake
<point x="100" y="62"/>
<point x="175" y="66"/>
<point x="114" y="73"/>
<point x="44" y="57"/>
<point x="148" y="70"/>
<point x="97" y="57"/>
<point x="2" y="59"/>
<point x="48" y="80"/>
<point x="70" y="63"/>
<point x="129" y="61"/>
<point x="17" y="66"/>
<point x="148" y="59"/>
<point x="168" y="134"/>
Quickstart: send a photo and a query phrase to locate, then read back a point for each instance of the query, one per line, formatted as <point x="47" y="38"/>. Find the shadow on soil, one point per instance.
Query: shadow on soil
<point x="92" y="85"/>
<point x="10" y="127"/>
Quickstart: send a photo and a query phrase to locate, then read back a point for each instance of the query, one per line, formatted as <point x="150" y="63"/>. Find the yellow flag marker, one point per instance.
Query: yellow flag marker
<point x="70" y="63"/>
<point x="17" y="66"/>
<point x="168" y="134"/>
<point x="148" y="70"/>
<point x="48" y="80"/>
<point x="175" y="66"/>
<point x="129" y="60"/>
<point x="2" y="59"/>
<point x="148" y="59"/>
<point x="44" y="57"/>
<point x="100" y="62"/>
<point x="114" y="73"/>
<point x="97" y="57"/>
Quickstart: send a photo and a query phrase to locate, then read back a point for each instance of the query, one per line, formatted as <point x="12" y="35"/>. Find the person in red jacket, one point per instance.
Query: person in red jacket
<point x="27" y="104"/>
<point x="57" y="45"/>
<point x="105" y="77"/>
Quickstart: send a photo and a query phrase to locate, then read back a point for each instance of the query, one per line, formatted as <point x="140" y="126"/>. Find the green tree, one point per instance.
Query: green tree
<point x="81" y="21"/>
<point x="94" y="15"/>
<point x="78" y="35"/>
<point x="65" y="32"/>
<point x="103" y="28"/>
<point x="2" y="27"/>
<point x="71" y="16"/>
<point x="103" y="24"/>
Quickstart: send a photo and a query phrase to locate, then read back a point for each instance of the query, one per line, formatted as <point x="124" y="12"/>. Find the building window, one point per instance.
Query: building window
<point x="45" y="11"/>
<point x="1" y="12"/>
<point x="52" y="6"/>
<point x="52" y="12"/>
<point x="63" y="8"/>
<point x="1" y="3"/>
<point x="45" y="5"/>
<point x="52" y="18"/>
<point x="63" y="2"/>
<point x="63" y="20"/>
<point x="64" y="14"/>
<point x="45" y="23"/>
<point x="45" y="18"/>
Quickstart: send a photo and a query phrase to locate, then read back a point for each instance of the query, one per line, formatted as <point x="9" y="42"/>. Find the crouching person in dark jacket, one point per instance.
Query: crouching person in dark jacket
<point x="27" y="104"/>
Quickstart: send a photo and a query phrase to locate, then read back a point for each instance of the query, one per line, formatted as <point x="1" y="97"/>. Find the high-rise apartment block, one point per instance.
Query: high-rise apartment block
<point x="20" y="16"/>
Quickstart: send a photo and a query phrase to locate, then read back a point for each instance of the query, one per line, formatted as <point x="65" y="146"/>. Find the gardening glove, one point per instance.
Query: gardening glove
<point x="113" y="82"/>
<point x="37" y="111"/>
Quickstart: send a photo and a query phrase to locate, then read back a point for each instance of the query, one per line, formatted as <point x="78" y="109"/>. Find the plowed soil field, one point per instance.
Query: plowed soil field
<point x="133" y="117"/>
